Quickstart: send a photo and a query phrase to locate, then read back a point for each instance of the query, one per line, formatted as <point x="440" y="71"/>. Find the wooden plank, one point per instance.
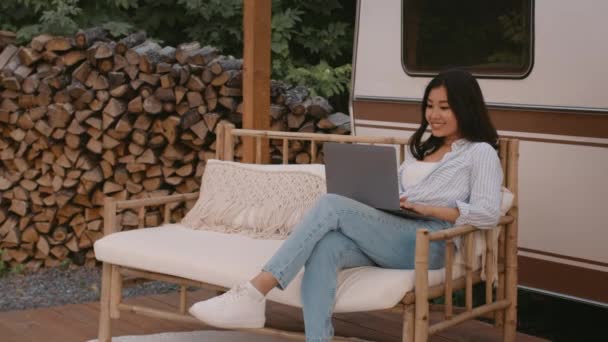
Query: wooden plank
<point x="41" y="325"/>
<point x="256" y="75"/>
<point x="49" y="324"/>
<point x="11" y="333"/>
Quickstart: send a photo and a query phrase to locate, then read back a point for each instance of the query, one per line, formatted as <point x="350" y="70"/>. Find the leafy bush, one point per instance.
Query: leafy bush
<point x="311" y="40"/>
<point x="321" y="78"/>
<point x="5" y="269"/>
<point x="18" y="269"/>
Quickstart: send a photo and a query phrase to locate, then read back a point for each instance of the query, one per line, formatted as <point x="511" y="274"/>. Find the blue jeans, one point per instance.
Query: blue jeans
<point x="340" y="233"/>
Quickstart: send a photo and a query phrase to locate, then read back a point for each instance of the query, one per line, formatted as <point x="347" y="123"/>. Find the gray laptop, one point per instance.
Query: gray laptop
<point x="367" y="174"/>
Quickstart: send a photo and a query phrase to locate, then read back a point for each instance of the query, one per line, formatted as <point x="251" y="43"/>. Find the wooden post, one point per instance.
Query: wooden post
<point x="256" y="73"/>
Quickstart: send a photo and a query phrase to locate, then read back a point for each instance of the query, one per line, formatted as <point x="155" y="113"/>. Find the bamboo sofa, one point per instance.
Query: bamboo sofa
<point x="413" y="288"/>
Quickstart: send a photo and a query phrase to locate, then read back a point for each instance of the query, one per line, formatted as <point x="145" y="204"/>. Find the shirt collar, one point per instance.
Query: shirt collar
<point x="460" y="143"/>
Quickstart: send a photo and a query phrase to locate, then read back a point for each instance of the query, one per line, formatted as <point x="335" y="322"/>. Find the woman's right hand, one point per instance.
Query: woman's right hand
<point x="421" y="209"/>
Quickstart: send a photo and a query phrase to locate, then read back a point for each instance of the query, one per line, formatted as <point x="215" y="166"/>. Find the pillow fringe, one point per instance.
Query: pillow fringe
<point x="266" y="222"/>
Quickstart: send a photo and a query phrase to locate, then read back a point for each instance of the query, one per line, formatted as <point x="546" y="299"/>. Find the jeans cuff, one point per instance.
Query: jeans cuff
<point x="277" y="275"/>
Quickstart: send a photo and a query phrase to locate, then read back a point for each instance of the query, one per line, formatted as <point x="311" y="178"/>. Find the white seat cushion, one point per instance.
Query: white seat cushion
<point x="227" y="259"/>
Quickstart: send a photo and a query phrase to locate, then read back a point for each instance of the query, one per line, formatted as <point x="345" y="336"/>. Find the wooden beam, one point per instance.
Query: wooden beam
<point x="256" y="73"/>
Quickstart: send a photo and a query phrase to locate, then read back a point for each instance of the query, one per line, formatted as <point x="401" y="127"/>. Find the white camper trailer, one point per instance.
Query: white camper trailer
<point x="543" y="68"/>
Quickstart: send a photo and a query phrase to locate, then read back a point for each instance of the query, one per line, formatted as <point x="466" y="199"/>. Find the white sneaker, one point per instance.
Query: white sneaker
<point x="243" y="307"/>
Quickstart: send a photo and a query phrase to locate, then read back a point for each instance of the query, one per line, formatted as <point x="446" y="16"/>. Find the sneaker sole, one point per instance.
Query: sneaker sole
<point x="231" y="325"/>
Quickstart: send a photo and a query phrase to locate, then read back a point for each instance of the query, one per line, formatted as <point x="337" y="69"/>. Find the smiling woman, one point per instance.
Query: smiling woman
<point x="462" y="143"/>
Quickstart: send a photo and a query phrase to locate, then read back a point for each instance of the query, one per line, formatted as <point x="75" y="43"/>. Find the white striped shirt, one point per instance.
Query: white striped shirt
<point x="468" y="178"/>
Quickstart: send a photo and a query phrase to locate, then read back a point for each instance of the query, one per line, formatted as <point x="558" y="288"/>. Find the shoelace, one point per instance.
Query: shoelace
<point x="236" y="293"/>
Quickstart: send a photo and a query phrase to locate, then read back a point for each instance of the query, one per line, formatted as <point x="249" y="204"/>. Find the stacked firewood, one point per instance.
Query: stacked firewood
<point x="292" y="109"/>
<point x="7" y="38"/>
<point x="85" y="117"/>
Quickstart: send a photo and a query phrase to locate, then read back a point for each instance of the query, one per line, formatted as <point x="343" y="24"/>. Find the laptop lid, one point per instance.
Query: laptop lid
<point x="365" y="173"/>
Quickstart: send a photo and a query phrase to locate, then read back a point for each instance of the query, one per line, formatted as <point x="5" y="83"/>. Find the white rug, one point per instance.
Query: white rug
<point x="200" y="336"/>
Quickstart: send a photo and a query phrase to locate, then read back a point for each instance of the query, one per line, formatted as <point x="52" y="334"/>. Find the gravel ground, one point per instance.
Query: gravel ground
<point x="62" y="285"/>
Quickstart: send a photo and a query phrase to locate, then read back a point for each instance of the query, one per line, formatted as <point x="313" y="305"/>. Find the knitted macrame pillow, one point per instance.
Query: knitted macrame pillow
<point x="261" y="201"/>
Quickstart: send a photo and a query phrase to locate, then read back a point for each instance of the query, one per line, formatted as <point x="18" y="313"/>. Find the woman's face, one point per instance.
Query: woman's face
<point x="440" y="116"/>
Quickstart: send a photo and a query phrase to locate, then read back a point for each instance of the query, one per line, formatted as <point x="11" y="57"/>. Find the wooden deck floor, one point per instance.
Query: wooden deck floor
<point x="78" y="323"/>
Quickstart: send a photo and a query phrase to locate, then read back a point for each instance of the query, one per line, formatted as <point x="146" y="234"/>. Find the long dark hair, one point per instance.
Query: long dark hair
<point x="466" y="101"/>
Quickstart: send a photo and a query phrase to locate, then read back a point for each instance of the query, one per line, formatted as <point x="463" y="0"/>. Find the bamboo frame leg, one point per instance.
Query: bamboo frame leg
<point x="489" y="266"/>
<point x="228" y="143"/>
<point x="500" y="290"/>
<point x="421" y="330"/>
<point x="285" y="151"/>
<point x="258" y="150"/>
<point x="115" y="292"/>
<point x="449" y="261"/>
<point x="510" y="318"/>
<point x="219" y="141"/>
<point x="104" y="334"/>
<point x="409" y="319"/>
<point x="469" y="255"/>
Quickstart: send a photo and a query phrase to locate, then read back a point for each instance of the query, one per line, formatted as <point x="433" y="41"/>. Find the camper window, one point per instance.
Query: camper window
<point x="490" y="38"/>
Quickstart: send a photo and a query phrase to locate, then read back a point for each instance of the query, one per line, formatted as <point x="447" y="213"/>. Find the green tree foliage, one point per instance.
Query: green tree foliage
<point x="311" y="40"/>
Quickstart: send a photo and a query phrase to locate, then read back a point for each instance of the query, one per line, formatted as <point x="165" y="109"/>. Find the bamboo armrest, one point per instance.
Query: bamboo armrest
<point x="148" y="202"/>
<point x="462" y="230"/>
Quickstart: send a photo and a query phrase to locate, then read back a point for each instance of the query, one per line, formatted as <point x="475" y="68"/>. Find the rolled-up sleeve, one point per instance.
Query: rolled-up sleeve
<point x="483" y="207"/>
